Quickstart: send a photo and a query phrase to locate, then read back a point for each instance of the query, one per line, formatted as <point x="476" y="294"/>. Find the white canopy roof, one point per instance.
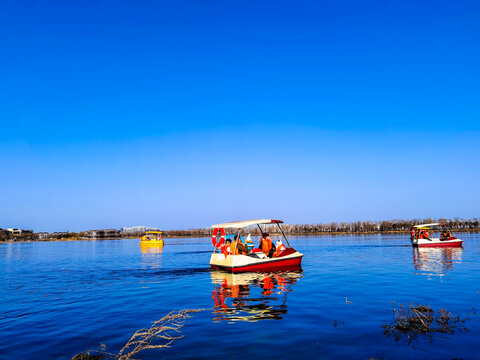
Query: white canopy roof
<point x="244" y="223"/>
<point x="427" y="225"/>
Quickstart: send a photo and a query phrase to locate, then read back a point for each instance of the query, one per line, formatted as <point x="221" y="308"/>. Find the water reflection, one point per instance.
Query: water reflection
<point x="436" y="261"/>
<point x="251" y="296"/>
<point x="151" y="256"/>
<point x="151" y="249"/>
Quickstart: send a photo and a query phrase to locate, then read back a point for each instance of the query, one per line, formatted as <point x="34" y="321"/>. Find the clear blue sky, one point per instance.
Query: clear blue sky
<point x="182" y="114"/>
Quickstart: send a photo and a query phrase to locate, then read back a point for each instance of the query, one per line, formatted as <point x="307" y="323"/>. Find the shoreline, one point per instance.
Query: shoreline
<point x="334" y="233"/>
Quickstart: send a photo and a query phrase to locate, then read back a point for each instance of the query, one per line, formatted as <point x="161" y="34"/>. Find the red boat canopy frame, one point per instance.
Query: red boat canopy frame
<point x="245" y="223"/>
<point x="241" y="224"/>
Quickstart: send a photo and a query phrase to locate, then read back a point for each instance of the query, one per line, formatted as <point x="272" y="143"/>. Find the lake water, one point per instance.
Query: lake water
<point x="62" y="298"/>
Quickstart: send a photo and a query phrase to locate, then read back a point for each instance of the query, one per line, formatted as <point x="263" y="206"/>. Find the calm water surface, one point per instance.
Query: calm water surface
<point x="61" y="298"/>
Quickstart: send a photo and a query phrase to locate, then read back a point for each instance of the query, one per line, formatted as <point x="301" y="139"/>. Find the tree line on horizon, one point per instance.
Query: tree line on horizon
<point x="358" y="227"/>
<point x="344" y="227"/>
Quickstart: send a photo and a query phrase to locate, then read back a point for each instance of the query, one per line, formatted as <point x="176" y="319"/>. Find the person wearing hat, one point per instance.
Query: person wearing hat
<point x="279" y="248"/>
<point x="266" y="245"/>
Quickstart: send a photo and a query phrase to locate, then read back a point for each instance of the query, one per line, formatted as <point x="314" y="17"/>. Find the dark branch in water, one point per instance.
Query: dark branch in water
<point x="420" y="319"/>
<point x="161" y="334"/>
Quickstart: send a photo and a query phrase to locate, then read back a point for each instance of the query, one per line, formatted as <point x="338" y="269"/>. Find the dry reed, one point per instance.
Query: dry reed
<point x="414" y="320"/>
<point x="161" y="334"/>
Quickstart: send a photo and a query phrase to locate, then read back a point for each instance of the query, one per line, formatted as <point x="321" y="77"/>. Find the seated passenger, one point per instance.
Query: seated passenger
<point x="237" y="247"/>
<point x="266" y="245"/>
<point x="225" y="248"/>
<point x="424" y="235"/>
<point x="279" y="248"/>
<point x="445" y="235"/>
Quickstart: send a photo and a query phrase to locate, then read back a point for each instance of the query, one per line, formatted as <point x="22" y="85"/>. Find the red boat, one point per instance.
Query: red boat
<point x="421" y="236"/>
<point x="254" y="259"/>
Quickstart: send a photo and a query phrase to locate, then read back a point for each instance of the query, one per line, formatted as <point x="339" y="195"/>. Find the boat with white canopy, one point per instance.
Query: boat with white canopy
<point x="254" y="259"/>
<point x="421" y="236"/>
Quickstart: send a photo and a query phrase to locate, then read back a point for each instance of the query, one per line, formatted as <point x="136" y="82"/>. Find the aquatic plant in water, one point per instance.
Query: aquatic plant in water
<point x="160" y="335"/>
<point x="420" y="319"/>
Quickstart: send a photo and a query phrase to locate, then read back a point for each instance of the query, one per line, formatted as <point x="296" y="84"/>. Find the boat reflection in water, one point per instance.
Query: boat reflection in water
<point x="436" y="261"/>
<point x="151" y="249"/>
<point x="251" y="296"/>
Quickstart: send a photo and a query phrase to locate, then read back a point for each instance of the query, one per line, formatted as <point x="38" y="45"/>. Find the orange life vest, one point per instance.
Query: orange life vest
<point x="234" y="249"/>
<point x="266" y="245"/>
<point x="412" y="232"/>
<point x="424" y="235"/>
<point x="224" y="250"/>
<point x="279" y="250"/>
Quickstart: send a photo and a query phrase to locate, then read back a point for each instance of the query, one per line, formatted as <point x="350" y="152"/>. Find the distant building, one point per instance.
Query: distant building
<point x="59" y="234"/>
<point x="18" y="235"/>
<point x="103" y="234"/>
<point x="133" y="230"/>
<point x="15" y="231"/>
<point x="43" y="235"/>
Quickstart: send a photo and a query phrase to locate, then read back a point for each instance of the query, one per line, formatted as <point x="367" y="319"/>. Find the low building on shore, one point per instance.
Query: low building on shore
<point x="15" y="231"/>
<point x="103" y="234"/>
<point x="17" y="235"/>
<point x="137" y="230"/>
<point x="43" y="235"/>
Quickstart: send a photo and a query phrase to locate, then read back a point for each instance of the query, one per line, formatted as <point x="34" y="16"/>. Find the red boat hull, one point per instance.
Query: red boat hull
<point x="443" y="245"/>
<point x="274" y="265"/>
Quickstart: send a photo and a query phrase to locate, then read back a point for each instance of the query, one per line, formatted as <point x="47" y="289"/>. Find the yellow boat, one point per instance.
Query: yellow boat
<point x="152" y="238"/>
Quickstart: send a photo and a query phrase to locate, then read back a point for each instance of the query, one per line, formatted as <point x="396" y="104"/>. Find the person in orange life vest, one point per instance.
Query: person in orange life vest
<point x="266" y="245"/>
<point x="412" y="233"/>
<point x="237" y="247"/>
<point x="225" y="248"/>
<point x="424" y="234"/>
<point x="445" y="235"/>
<point x="279" y="248"/>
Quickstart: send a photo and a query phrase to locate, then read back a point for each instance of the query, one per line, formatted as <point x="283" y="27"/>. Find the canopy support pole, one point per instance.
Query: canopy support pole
<point x="284" y="235"/>
<point x="261" y="231"/>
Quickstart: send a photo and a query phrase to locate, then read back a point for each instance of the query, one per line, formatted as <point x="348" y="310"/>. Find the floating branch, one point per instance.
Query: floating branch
<point x="160" y="335"/>
<point x="414" y="320"/>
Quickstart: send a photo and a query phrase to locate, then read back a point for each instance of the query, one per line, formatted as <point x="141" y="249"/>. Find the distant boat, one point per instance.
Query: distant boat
<point x="152" y="238"/>
<point x="255" y="259"/>
<point x="421" y="237"/>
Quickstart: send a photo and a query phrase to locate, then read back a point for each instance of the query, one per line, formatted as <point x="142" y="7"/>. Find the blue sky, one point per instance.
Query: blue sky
<point x="183" y="114"/>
